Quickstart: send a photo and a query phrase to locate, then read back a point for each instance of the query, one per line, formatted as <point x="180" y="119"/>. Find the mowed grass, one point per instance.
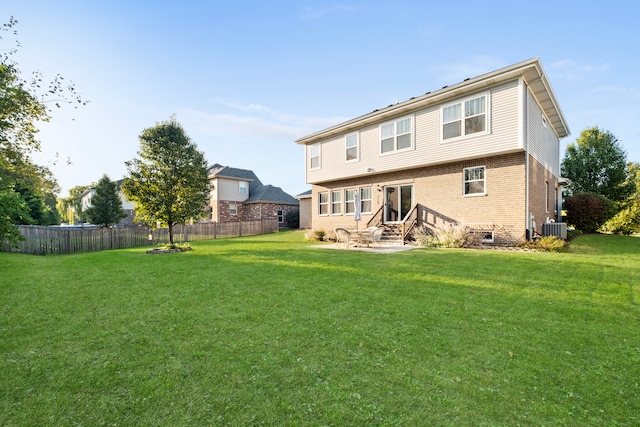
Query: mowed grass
<point x="270" y="330"/>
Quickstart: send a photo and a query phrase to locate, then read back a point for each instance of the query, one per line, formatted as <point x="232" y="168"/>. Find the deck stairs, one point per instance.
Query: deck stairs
<point x="392" y="235"/>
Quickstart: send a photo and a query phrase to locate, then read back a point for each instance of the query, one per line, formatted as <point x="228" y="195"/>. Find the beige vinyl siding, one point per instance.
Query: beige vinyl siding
<point x="228" y="189"/>
<point x="503" y="126"/>
<point x="544" y="145"/>
<point x="428" y="148"/>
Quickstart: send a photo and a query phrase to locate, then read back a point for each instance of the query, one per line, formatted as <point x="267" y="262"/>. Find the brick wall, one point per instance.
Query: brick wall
<point x="224" y="211"/>
<point x="543" y="187"/>
<point x="253" y="211"/>
<point x="439" y="189"/>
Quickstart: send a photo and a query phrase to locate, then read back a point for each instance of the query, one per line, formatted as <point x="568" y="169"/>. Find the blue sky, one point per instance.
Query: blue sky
<point x="248" y="78"/>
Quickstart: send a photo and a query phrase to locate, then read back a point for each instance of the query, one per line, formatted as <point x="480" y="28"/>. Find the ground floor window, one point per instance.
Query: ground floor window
<point x="336" y="202"/>
<point x="233" y="209"/>
<point x="365" y="200"/>
<point x="349" y="201"/>
<point x="280" y="216"/>
<point x="486" y="236"/>
<point x="474" y="182"/>
<point x="323" y="203"/>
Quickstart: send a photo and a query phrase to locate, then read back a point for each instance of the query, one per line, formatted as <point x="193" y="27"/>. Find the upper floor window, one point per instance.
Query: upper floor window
<point x="243" y="187"/>
<point x="336" y="202"/>
<point x="474" y="181"/>
<point x="323" y="203"/>
<point x="314" y="156"/>
<point x="351" y="147"/>
<point x="396" y="136"/>
<point x="465" y="117"/>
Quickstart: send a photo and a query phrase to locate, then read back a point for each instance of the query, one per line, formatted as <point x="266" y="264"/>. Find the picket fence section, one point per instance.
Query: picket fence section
<point x="40" y="240"/>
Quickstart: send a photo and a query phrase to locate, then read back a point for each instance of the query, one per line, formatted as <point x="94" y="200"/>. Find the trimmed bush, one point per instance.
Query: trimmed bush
<point x="588" y="211"/>
<point x="292" y="219"/>
<point x="314" y="236"/>
<point x="546" y="244"/>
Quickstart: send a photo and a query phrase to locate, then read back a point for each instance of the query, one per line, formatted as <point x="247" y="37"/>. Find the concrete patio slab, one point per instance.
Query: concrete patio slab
<point x="388" y="249"/>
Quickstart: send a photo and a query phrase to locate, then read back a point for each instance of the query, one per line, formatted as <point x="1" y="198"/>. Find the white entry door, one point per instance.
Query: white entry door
<point x="398" y="200"/>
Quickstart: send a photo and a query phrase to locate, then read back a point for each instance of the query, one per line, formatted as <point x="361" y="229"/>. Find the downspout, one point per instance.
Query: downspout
<point x="527" y="220"/>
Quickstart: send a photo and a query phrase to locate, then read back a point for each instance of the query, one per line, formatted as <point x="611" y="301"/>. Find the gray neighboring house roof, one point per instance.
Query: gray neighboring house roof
<point x="271" y="194"/>
<point x="220" y="171"/>
<point x="303" y="195"/>
<point x="258" y="193"/>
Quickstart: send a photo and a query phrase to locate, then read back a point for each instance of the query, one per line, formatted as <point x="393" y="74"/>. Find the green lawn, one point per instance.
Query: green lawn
<point x="270" y="330"/>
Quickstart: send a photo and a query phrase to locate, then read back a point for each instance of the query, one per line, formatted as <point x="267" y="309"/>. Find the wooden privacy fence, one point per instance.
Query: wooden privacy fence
<point x="41" y="240"/>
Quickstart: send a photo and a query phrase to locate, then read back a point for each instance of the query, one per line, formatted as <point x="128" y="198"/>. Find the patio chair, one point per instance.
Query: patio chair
<point x="367" y="235"/>
<point x="342" y="236"/>
<point x="376" y="237"/>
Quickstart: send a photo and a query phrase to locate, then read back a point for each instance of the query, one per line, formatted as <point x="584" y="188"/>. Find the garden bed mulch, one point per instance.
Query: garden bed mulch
<point x="167" y="251"/>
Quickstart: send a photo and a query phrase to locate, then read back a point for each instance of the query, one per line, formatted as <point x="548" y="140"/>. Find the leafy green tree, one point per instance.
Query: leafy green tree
<point x="13" y="209"/>
<point x="169" y="182"/>
<point x="597" y="164"/>
<point x="627" y="221"/>
<point x="106" y="205"/>
<point x="70" y="208"/>
<point x="27" y="188"/>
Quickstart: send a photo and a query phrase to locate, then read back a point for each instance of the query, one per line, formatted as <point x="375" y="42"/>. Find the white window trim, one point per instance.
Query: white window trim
<point x="352" y="201"/>
<point x="395" y="135"/>
<point x="484" y="179"/>
<point x="357" y="147"/>
<point x="331" y="202"/>
<point x="319" y="146"/>
<point x="235" y="208"/>
<point x="362" y="200"/>
<point x="328" y="203"/>
<point x="461" y="101"/>
<point x="240" y="187"/>
<point x="485" y="232"/>
<point x="546" y="196"/>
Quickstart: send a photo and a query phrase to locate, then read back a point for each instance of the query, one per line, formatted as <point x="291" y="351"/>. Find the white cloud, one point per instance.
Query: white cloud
<point x="257" y="122"/>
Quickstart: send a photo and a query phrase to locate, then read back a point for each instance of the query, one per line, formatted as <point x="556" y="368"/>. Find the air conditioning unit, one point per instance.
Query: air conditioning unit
<point x="558" y="229"/>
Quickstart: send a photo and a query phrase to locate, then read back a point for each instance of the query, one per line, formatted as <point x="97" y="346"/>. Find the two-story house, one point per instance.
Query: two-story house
<point x="238" y="195"/>
<point x="484" y="153"/>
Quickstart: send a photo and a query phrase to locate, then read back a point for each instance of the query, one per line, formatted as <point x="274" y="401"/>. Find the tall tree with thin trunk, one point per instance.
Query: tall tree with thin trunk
<point x="169" y="182"/>
<point x="106" y="205"/>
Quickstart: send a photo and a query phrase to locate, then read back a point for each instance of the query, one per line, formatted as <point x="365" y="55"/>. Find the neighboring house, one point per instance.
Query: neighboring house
<point x="128" y="206"/>
<point x="306" y="210"/>
<point x="238" y="195"/>
<point x="484" y="153"/>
